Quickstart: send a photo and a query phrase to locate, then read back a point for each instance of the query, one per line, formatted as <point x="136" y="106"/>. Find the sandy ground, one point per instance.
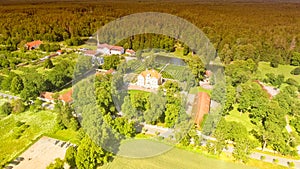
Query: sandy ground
<point x="41" y="154"/>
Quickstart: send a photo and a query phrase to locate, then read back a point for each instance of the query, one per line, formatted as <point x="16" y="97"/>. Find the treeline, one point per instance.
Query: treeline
<point x="256" y="31"/>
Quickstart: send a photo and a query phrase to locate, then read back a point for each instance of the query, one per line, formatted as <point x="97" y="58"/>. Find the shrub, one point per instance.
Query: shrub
<point x="274" y="63"/>
<point x="6" y="108"/>
<point x="296" y="71"/>
<point x="275" y="160"/>
<point x="291" y="81"/>
<point x="291" y="164"/>
<point x="262" y="158"/>
<point x="19" y="123"/>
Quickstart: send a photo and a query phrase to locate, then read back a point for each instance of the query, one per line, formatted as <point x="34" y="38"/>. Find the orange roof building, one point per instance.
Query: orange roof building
<point x="65" y="98"/>
<point x="110" y="49"/>
<point x="202" y="107"/>
<point x="33" y="45"/>
<point x="150" y="79"/>
<point x="130" y="52"/>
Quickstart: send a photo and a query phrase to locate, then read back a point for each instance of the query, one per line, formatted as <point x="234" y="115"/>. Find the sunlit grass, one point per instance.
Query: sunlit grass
<point x="264" y="68"/>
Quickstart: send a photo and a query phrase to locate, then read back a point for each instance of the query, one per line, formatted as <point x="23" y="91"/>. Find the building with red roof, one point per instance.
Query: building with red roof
<point x="33" y="45"/>
<point x="130" y="52"/>
<point x="202" y="106"/>
<point x="65" y="97"/>
<point x="110" y="49"/>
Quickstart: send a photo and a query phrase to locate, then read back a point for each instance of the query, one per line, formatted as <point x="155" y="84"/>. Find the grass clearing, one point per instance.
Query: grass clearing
<point x="35" y="124"/>
<point x="243" y="118"/>
<point x="198" y="89"/>
<point x="174" y="159"/>
<point x="264" y="68"/>
<point x="65" y="135"/>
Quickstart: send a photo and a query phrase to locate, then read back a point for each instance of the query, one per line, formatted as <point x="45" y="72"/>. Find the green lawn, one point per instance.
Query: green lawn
<point x="65" y="135"/>
<point x="264" y="68"/>
<point x="174" y="159"/>
<point x="35" y="124"/>
<point x="198" y="89"/>
<point x="243" y="118"/>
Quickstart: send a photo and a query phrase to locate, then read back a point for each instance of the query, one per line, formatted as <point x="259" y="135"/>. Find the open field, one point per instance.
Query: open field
<point x="243" y="118"/>
<point x="264" y="68"/>
<point x="174" y="159"/>
<point x="18" y="131"/>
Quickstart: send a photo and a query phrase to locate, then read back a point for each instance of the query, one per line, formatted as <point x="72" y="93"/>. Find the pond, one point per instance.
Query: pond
<point x="171" y="60"/>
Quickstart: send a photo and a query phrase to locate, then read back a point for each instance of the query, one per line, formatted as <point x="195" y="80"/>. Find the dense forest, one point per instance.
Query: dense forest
<point x="237" y="30"/>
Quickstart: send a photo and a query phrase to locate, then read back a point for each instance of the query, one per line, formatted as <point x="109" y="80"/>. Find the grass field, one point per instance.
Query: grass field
<point x="264" y="68"/>
<point x="198" y="89"/>
<point x="243" y="118"/>
<point x="174" y="159"/>
<point x="16" y="137"/>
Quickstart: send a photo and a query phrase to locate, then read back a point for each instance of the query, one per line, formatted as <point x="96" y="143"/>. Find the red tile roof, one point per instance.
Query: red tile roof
<point x="110" y="47"/>
<point x="47" y="95"/>
<point x="202" y="106"/>
<point x="33" y="44"/>
<point x="66" y="97"/>
<point x="153" y="73"/>
<point x="130" y="51"/>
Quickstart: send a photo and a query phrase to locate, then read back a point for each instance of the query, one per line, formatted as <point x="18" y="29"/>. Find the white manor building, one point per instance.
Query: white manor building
<point x="150" y="79"/>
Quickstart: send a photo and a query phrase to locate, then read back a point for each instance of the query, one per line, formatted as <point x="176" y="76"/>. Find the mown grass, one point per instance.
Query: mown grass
<point x="264" y="68"/>
<point x="65" y="135"/>
<point x="35" y="124"/>
<point x="198" y="89"/>
<point x="243" y="118"/>
<point x="174" y="159"/>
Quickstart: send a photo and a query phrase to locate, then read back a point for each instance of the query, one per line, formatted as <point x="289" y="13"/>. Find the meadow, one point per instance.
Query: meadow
<point x="264" y="68"/>
<point x="18" y="131"/>
<point x="174" y="159"/>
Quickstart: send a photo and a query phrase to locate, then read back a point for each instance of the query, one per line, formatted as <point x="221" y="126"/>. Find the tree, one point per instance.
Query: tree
<point x="90" y="155"/>
<point x="128" y="110"/>
<point x="58" y="164"/>
<point x="154" y="112"/>
<point x="70" y="156"/>
<point x="111" y="62"/>
<point x="296" y="71"/>
<point x="171" y="115"/>
<point x="186" y="50"/>
<point x="295" y="60"/>
<point x="48" y="64"/>
<point x="16" y="85"/>
<point x="197" y="67"/>
<point x="6" y="108"/>
<point x="251" y="96"/>
<point x="18" y="106"/>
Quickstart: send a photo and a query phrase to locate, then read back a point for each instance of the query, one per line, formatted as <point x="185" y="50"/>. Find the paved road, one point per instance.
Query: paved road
<point x="167" y="132"/>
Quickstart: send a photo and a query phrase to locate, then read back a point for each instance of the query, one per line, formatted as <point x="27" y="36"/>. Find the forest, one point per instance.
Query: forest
<point x="243" y="34"/>
<point x="237" y="30"/>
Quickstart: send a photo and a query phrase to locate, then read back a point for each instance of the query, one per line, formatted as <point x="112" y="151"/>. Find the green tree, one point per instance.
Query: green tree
<point x="197" y="67"/>
<point x="48" y="64"/>
<point x="70" y="156"/>
<point x="58" y="164"/>
<point x="18" y="106"/>
<point x="6" y="108"/>
<point x="154" y="112"/>
<point x="90" y="155"/>
<point x="295" y="60"/>
<point x="16" y="85"/>
<point x="171" y="115"/>
<point x="128" y="110"/>
<point x="111" y="62"/>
